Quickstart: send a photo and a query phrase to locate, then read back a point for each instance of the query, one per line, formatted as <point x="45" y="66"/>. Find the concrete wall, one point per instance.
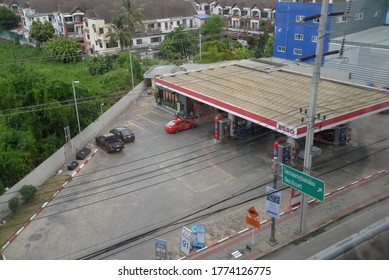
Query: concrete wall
<point x="50" y="166"/>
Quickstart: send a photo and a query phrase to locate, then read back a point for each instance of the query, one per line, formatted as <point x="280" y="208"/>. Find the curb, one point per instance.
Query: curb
<point x="78" y="169"/>
<point x="287" y="212"/>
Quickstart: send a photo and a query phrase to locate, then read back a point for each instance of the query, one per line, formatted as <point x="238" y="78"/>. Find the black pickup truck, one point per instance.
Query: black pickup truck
<point x="109" y="142"/>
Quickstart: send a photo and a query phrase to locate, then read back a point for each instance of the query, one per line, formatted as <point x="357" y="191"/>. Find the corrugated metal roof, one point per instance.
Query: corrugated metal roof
<point x="274" y="98"/>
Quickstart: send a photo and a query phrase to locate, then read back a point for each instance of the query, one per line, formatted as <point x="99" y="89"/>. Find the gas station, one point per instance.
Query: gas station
<point x="254" y="93"/>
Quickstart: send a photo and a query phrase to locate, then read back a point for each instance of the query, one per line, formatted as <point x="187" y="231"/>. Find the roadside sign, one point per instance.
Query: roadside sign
<point x="253" y="213"/>
<point x="160" y="249"/>
<point x="186" y="240"/>
<point x="198" y="236"/>
<point x="273" y="199"/>
<point x="252" y="221"/>
<point x="303" y="182"/>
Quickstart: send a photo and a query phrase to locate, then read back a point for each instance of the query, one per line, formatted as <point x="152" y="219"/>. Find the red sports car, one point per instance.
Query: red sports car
<point x="180" y="124"/>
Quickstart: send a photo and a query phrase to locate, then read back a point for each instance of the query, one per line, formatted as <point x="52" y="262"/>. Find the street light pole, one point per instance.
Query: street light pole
<point x="75" y="102"/>
<point x="101" y="114"/>
<point x="312" y="108"/>
<point x="200" y="46"/>
<point x="132" y="73"/>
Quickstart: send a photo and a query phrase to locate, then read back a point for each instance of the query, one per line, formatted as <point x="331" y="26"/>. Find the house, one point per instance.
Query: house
<point x="245" y="17"/>
<point x="89" y="22"/>
<point x="359" y="33"/>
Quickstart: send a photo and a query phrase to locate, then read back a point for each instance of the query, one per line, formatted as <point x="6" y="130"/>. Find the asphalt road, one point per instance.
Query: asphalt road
<point x="333" y="233"/>
<point x="156" y="184"/>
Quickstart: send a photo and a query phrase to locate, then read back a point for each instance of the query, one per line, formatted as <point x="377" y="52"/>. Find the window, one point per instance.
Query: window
<point x="341" y="19"/>
<point x="86" y="23"/>
<point x="298" y="51"/>
<point x="101" y="31"/>
<point x="155" y="39"/>
<point x="314" y="38"/>
<point x="358" y="16"/>
<point x="184" y="21"/>
<point x="88" y="37"/>
<point x="112" y="45"/>
<point x="178" y="22"/>
<point x="139" y="41"/>
<point x="299" y="37"/>
<point x="71" y="29"/>
<point x="281" y="49"/>
<point x="299" y="18"/>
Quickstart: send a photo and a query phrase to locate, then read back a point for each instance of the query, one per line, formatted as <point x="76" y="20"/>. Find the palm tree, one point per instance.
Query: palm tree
<point x="125" y="24"/>
<point x="120" y="32"/>
<point x="132" y="14"/>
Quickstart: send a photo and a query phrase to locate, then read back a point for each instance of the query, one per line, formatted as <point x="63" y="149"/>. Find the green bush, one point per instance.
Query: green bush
<point x="13" y="204"/>
<point x="27" y="192"/>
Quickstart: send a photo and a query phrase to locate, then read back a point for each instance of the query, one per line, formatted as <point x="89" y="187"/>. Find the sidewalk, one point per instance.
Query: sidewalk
<point x="338" y="204"/>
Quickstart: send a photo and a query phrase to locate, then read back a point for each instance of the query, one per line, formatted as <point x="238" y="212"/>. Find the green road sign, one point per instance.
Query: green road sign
<point x="303" y="182"/>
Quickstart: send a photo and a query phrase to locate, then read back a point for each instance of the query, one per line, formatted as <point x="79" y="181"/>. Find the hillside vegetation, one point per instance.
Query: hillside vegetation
<point x="37" y="102"/>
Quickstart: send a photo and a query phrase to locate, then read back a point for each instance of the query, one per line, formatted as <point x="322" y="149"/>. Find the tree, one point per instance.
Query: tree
<point x="27" y="192"/>
<point x="63" y="49"/>
<point x="120" y="32"/>
<point x="99" y="65"/>
<point x="42" y="31"/>
<point x="132" y="15"/>
<point x="13" y="204"/>
<point x="126" y="23"/>
<point x="8" y="19"/>
<point x="213" y="26"/>
<point x="179" y="43"/>
<point x="268" y="50"/>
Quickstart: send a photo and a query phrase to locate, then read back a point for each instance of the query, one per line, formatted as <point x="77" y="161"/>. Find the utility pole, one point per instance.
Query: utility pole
<point x="273" y="240"/>
<point x="312" y="109"/>
<point x="132" y="72"/>
<point x="200" y="46"/>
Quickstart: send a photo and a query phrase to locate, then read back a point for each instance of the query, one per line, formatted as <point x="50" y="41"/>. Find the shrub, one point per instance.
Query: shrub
<point x="27" y="192"/>
<point x="13" y="204"/>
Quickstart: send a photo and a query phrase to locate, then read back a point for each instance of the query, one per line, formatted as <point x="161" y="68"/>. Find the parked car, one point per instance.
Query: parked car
<point x="325" y="135"/>
<point x="110" y="142"/>
<point x="180" y="124"/>
<point x="123" y="133"/>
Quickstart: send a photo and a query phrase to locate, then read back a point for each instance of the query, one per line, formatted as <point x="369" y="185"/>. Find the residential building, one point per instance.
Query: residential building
<point x="242" y="17"/>
<point x="364" y="56"/>
<point x="89" y="22"/>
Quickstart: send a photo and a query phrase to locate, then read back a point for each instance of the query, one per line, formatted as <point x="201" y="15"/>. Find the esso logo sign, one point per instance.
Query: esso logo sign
<point x="287" y="129"/>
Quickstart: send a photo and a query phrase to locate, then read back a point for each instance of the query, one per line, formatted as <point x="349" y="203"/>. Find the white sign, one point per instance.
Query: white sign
<point x="273" y="201"/>
<point x="186" y="240"/>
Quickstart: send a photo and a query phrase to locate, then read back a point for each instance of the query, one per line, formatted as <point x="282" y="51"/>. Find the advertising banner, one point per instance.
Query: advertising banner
<point x="198" y="236"/>
<point x="186" y="240"/>
<point x="160" y="249"/>
<point x="273" y="200"/>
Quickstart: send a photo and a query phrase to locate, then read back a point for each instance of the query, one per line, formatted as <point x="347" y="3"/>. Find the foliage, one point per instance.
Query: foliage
<point x="36" y="104"/>
<point x="179" y="44"/>
<point x="63" y="49"/>
<point x="8" y="19"/>
<point x="42" y="31"/>
<point x="268" y="50"/>
<point x="217" y="50"/>
<point x="27" y="192"/>
<point x="212" y="27"/>
<point x="120" y="32"/>
<point x="99" y="65"/>
<point x="258" y="44"/>
<point x="126" y="23"/>
<point x="2" y="188"/>
<point x="13" y="204"/>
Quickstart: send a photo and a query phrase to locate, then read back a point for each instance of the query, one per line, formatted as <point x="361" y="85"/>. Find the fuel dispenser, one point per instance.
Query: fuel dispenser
<point x="284" y="152"/>
<point x="224" y="126"/>
<point x="341" y="133"/>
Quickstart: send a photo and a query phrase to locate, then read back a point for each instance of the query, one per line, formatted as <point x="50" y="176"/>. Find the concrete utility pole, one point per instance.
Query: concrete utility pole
<point x="273" y="240"/>
<point x="200" y="46"/>
<point x="132" y="73"/>
<point x="312" y="109"/>
<point x="75" y="103"/>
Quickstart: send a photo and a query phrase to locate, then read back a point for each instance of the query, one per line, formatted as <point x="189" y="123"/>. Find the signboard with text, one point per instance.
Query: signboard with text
<point x="198" y="236"/>
<point x="303" y="182"/>
<point x="273" y="201"/>
<point x="160" y="249"/>
<point x="186" y="240"/>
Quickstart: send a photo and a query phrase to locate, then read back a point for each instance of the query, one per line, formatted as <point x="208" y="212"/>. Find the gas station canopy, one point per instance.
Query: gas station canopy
<point x="273" y="97"/>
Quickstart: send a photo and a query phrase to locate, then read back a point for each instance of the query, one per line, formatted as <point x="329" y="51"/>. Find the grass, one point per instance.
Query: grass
<point x="26" y="210"/>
